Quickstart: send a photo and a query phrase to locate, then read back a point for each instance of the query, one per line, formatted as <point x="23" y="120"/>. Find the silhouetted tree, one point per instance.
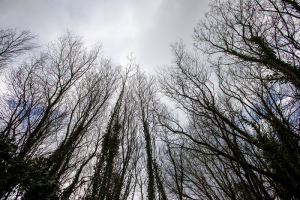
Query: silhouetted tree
<point x="241" y="133"/>
<point x="14" y="43"/>
<point x="57" y="99"/>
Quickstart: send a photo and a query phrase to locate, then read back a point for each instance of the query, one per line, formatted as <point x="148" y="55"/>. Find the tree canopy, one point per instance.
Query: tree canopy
<point x="221" y="122"/>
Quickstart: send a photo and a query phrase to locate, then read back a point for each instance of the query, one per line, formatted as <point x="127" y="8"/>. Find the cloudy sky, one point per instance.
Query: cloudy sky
<point x="145" y="27"/>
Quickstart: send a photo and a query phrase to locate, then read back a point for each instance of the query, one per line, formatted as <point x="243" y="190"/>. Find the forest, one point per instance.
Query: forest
<point x="222" y="122"/>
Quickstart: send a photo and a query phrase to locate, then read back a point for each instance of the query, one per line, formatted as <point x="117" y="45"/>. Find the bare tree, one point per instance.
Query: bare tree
<point x="14" y="43"/>
<point x="145" y="92"/>
<point x="263" y="32"/>
<point x="114" y="175"/>
<point x="243" y="130"/>
<point x="50" y="116"/>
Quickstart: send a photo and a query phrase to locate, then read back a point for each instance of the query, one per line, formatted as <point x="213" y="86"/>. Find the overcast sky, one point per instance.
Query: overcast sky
<point x="144" y="27"/>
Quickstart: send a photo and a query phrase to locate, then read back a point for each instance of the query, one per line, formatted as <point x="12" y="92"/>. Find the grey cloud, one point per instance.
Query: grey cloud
<point x="144" y="27"/>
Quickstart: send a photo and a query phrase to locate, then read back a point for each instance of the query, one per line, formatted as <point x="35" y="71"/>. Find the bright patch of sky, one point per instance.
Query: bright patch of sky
<point x="146" y="28"/>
